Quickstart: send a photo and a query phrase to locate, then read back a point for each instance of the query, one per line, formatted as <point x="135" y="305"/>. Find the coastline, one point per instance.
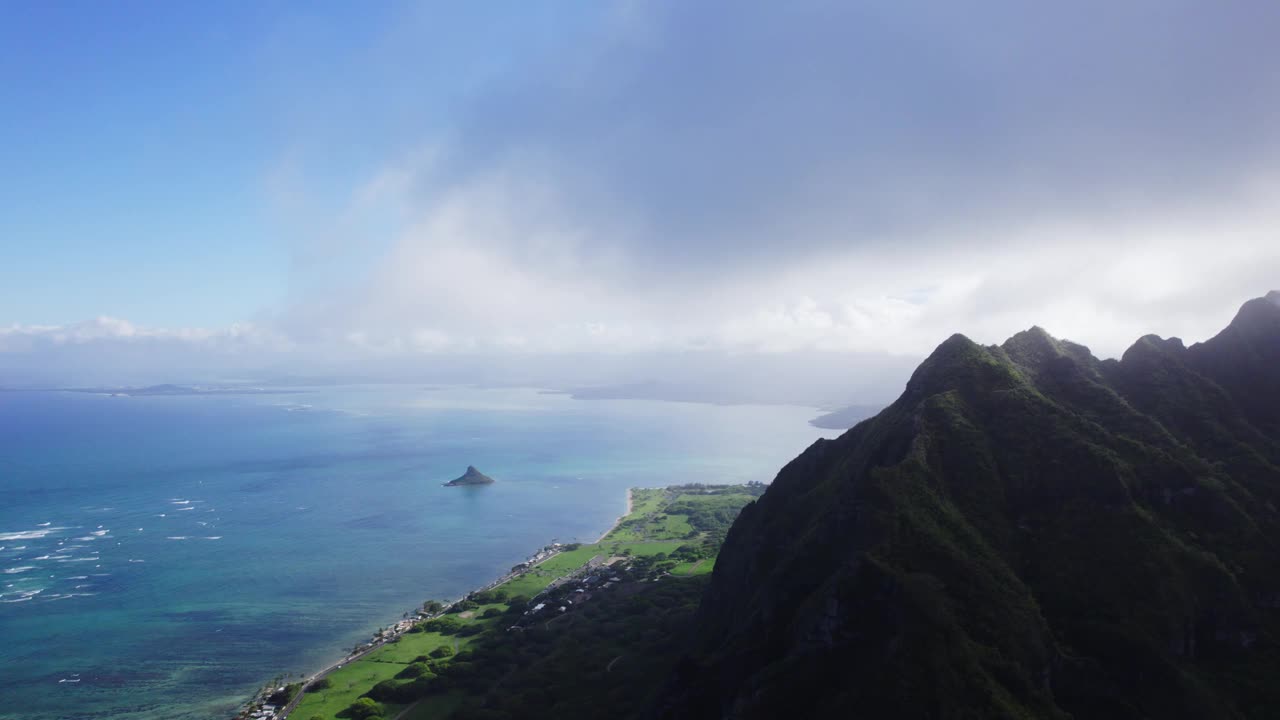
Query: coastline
<point x="380" y="640"/>
<point x="616" y="523"/>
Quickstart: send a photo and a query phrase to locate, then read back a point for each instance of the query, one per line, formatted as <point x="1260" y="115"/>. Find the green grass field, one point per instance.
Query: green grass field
<point x="348" y="683"/>
<point x="690" y="569"/>
<point x="536" y="580"/>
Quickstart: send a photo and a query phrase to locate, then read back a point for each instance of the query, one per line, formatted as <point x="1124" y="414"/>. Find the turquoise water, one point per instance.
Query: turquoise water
<point x="160" y="557"/>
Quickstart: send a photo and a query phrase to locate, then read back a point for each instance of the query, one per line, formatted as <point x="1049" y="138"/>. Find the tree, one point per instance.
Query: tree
<point x="323" y="683"/>
<point x="463" y="605"/>
<point x="385" y="691"/>
<point x="443" y="651"/>
<point x="415" y="670"/>
<point x="364" y="709"/>
<point x="445" y="625"/>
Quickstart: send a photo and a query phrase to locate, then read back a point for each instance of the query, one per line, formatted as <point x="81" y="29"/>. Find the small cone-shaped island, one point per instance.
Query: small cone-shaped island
<point x="471" y="477"/>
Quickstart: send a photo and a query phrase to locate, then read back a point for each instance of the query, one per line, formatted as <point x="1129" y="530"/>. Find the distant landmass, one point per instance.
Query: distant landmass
<point x="1027" y="531"/>
<point x="170" y="389"/>
<point x="667" y="392"/>
<point x="471" y="477"/>
<point x="845" y="417"/>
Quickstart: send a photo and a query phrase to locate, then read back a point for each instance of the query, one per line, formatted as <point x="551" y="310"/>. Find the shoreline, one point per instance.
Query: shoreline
<point x="616" y="523"/>
<point x="318" y="674"/>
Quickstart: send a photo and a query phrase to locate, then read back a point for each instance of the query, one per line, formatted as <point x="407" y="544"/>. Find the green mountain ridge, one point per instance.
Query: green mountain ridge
<point x="1026" y="532"/>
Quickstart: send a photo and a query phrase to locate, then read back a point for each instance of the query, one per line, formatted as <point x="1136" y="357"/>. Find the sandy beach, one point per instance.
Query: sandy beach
<point x="630" y="503"/>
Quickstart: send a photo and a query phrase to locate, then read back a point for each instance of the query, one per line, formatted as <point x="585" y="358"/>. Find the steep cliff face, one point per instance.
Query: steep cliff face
<point x="1026" y="532"/>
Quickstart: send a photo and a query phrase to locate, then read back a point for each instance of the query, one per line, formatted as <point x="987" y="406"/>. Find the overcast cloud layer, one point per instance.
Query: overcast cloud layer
<point x="761" y="178"/>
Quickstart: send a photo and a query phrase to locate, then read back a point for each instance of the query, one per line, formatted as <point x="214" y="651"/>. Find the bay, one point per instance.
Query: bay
<point x="161" y="556"/>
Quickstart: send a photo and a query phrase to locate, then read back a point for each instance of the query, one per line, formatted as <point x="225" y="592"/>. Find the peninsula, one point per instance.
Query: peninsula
<point x="471" y="477"/>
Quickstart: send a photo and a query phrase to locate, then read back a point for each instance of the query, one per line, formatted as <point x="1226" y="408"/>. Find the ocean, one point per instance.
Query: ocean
<point x="163" y="556"/>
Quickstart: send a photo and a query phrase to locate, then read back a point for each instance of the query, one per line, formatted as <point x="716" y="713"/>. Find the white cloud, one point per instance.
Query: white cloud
<point x="831" y="177"/>
<point x="837" y="177"/>
<point x="111" y="330"/>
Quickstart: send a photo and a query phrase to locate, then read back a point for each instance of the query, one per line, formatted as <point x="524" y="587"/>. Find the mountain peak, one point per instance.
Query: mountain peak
<point x="1261" y="313"/>
<point x="1032" y="347"/>
<point x="961" y="364"/>
<point x="1075" y="538"/>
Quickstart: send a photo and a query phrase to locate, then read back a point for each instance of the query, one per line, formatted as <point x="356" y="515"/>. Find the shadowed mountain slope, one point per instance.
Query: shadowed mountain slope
<point x="1026" y="532"/>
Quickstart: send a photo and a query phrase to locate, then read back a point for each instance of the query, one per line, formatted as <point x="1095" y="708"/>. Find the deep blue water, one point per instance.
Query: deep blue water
<point x="160" y="557"/>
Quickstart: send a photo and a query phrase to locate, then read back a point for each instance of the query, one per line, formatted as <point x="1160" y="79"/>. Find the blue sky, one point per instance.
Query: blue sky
<point x="281" y="183"/>
<point x="140" y="140"/>
<point x="134" y="144"/>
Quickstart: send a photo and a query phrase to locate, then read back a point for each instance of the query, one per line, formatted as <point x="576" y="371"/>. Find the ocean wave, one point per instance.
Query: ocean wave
<point x="44" y="524"/>
<point x="99" y="533"/>
<point x="185" y="508"/>
<point x="78" y="577"/>
<point x="29" y="534"/>
<point x="178" y="537"/>
<point x="88" y="559"/>
<point x="19" y="569"/>
<point x="213" y="537"/>
<point x="180" y="502"/>
<point x="132" y="560"/>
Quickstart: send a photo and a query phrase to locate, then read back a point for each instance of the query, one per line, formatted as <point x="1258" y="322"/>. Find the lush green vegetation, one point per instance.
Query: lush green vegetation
<point x="608" y="660"/>
<point x="445" y="666"/>
<point x="1027" y="532"/>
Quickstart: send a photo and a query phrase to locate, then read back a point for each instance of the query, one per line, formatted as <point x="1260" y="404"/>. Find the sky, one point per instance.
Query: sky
<point x="608" y="191"/>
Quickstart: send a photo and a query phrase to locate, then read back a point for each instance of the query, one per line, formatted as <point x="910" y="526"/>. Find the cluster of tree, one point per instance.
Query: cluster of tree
<point x="285" y="695"/>
<point x="691" y="553"/>
<point x="364" y="709"/>
<point x="463" y="605"/>
<point x="711" y="515"/>
<point x="548" y="671"/>
<point x="610" y="662"/>
<point x="488" y="597"/>
<point x="648" y="566"/>
<point x="323" y="683"/>
<point x="446" y="625"/>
